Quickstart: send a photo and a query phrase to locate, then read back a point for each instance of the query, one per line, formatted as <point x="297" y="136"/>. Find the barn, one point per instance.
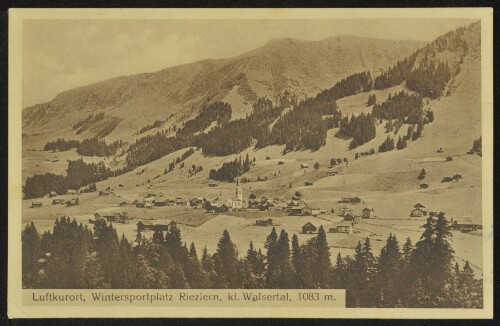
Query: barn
<point x="308" y="228"/>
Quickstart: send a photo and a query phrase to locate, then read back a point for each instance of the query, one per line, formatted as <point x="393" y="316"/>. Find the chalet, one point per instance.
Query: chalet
<point x="418" y="210"/>
<point x="308" y="183"/>
<point x="304" y="166"/>
<point x="464" y="224"/>
<point x="123" y="203"/>
<point x="350" y="200"/>
<point x="267" y="222"/>
<point x="106" y="193"/>
<point x="350" y="217"/>
<point x="341" y="228"/>
<point x="52" y="194"/>
<point x="36" y="204"/>
<point x="71" y="192"/>
<point x="196" y="202"/>
<point x="308" y="228"/>
<point x="300" y="211"/>
<point x="367" y="213"/>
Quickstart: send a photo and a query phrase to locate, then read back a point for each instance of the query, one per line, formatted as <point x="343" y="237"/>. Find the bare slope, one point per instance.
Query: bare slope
<point x="301" y="67"/>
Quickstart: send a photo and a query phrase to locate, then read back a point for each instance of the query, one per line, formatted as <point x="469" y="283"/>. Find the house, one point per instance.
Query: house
<point x="217" y="207"/>
<point x="72" y="202"/>
<point x="144" y="225"/>
<point x="341" y="228"/>
<point x="304" y="166"/>
<point x="123" y="203"/>
<point x="418" y="210"/>
<point x="36" y="204"/>
<point x="344" y="210"/>
<point x="160" y="202"/>
<point x="71" y="192"/>
<point x="367" y="213"/>
<point x="148" y="205"/>
<point x="140" y="205"/>
<point x="315" y="211"/>
<point x="350" y="217"/>
<point x="58" y="201"/>
<point x="350" y="200"/>
<point x="52" y="194"/>
<point x="253" y="204"/>
<point x="308" y="228"/>
<point x="308" y="183"/>
<point x="196" y="202"/>
<point x="300" y="211"/>
<point x="267" y="222"/>
<point x="464" y="224"/>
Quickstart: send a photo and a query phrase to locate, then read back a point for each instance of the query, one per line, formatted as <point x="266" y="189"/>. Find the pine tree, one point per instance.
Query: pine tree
<point x="388" y="273"/>
<point x="272" y="259"/>
<point x="323" y="264"/>
<point x="31" y="253"/>
<point x="226" y="263"/>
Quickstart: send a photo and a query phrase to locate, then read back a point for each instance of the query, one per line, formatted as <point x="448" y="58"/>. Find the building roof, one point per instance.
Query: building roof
<point x="418" y="205"/>
<point x="309" y="224"/>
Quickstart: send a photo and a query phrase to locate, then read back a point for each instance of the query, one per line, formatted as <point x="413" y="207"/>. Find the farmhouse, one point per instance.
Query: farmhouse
<point x="58" y="201"/>
<point x="304" y="166"/>
<point x="117" y="217"/>
<point x="71" y="192"/>
<point x="341" y="228"/>
<point x="253" y="204"/>
<point x="464" y="224"/>
<point x="350" y="217"/>
<point x="367" y="213"/>
<point x="160" y="202"/>
<point x="350" y="200"/>
<point x="217" y="207"/>
<point x="147" y="225"/>
<point x="72" y="202"/>
<point x="52" y="194"/>
<point x="418" y="210"/>
<point x="123" y="203"/>
<point x="344" y="210"/>
<point x="267" y="222"/>
<point x="308" y="228"/>
<point x="300" y="211"/>
<point x="196" y="202"/>
<point x="36" y="204"/>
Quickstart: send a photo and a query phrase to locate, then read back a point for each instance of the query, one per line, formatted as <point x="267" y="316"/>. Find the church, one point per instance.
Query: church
<point x="236" y="203"/>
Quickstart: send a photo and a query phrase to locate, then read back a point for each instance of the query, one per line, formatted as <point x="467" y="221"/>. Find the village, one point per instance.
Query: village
<point x="154" y="211"/>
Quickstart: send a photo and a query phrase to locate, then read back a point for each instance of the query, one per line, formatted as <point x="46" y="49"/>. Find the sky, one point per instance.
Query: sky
<point x="63" y="54"/>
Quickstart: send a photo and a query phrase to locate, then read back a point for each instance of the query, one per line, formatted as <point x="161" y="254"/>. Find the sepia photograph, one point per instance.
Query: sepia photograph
<point x="329" y="160"/>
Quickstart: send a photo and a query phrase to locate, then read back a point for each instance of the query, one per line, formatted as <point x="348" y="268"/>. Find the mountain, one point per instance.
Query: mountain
<point x="131" y="102"/>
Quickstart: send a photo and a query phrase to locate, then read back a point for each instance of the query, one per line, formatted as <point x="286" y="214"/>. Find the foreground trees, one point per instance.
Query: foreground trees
<point x="420" y="275"/>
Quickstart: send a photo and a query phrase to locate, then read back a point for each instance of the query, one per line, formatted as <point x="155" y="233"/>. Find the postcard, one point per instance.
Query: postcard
<point x="297" y="163"/>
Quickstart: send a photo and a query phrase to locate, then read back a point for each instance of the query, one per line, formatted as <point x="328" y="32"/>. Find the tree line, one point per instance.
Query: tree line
<point x="87" y="147"/>
<point x="229" y="171"/>
<point x="360" y="128"/>
<point x="85" y="123"/>
<point x="420" y="275"/>
<point x="78" y="174"/>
